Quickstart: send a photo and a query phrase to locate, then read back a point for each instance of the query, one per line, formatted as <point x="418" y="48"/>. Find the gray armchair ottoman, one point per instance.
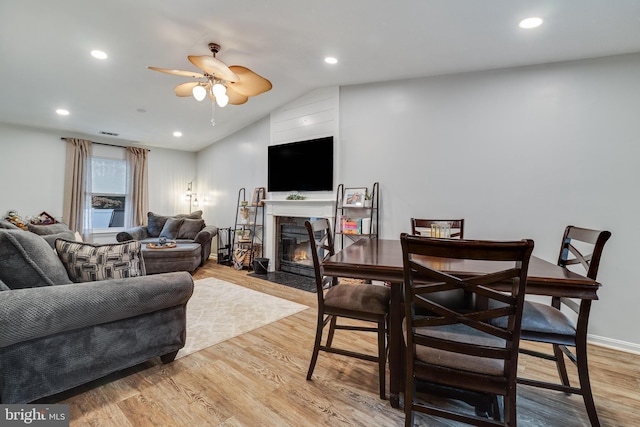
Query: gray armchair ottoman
<point x="192" y="236"/>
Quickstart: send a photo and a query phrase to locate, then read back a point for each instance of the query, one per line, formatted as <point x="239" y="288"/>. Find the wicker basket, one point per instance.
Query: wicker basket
<point x="242" y="257"/>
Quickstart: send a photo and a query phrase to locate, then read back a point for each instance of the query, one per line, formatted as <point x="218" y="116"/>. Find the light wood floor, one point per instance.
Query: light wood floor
<point x="258" y="379"/>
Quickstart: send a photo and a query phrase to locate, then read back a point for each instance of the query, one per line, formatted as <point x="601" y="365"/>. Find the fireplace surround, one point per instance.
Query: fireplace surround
<point x="292" y="214"/>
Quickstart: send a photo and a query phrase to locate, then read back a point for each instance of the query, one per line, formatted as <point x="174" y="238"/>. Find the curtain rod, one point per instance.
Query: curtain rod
<point x="104" y="143"/>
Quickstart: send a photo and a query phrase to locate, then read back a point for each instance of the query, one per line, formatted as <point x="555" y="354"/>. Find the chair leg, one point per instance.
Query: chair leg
<point x="409" y="392"/>
<point x="382" y="357"/>
<point x="560" y="365"/>
<point x="332" y="329"/>
<point x="316" y="346"/>
<point x="585" y="384"/>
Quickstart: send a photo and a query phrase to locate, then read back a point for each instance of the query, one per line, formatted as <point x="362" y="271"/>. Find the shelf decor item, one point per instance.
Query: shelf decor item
<point x="354" y="197"/>
<point x="259" y="194"/>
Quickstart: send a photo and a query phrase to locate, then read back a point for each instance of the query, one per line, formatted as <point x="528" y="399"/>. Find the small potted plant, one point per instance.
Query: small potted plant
<point x="368" y="199"/>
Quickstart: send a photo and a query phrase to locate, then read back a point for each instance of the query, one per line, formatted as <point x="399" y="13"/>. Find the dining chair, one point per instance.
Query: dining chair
<point x="547" y="323"/>
<point x="418" y="226"/>
<point x="461" y="349"/>
<point x="358" y="301"/>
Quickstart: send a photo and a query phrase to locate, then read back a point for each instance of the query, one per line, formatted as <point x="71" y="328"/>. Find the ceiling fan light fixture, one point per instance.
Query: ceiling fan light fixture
<point x="199" y="92"/>
<point x="219" y="89"/>
<point x="530" y="23"/>
<point x="222" y="100"/>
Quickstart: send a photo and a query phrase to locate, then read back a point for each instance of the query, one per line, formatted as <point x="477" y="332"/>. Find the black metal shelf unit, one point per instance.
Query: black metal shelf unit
<point x="356" y="215"/>
<point x="224" y="246"/>
<point x="248" y="231"/>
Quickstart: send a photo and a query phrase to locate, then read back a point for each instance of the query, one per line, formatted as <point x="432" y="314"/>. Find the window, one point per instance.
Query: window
<point x="108" y="192"/>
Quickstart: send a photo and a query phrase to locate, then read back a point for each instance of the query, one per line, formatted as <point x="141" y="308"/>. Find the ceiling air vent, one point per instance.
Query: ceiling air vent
<point x="108" y="133"/>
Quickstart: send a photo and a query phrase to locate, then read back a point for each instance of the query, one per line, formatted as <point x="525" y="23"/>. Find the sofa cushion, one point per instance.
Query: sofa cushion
<point x="45" y="230"/>
<point x="171" y="227"/>
<point x="27" y="261"/>
<point x="86" y="262"/>
<point x="156" y="222"/>
<point x="189" y="228"/>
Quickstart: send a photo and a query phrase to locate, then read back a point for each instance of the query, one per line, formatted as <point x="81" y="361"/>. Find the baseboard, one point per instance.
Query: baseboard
<point x="627" y="347"/>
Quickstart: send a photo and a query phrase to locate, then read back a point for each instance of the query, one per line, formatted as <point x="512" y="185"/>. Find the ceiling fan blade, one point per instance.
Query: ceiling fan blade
<point x="182" y="73"/>
<point x="213" y="66"/>
<point x="185" y="89"/>
<point x="250" y="83"/>
<point x="234" y="97"/>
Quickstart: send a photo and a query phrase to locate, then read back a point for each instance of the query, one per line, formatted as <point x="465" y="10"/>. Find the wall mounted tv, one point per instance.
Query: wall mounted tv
<point x="301" y="166"/>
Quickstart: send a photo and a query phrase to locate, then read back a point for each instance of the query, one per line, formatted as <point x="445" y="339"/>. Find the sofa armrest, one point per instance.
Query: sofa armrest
<point x="36" y="312"/>
<point x="135" y="233"/>
<point x="206" y="234"/>
<point x="205" y="237"/>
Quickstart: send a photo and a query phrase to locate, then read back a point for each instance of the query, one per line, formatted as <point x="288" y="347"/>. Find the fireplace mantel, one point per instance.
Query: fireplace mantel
<point x="307" y="208"/>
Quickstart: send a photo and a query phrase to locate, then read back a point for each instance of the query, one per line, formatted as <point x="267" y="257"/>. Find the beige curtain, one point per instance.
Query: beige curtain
<point x="76" y="209"/>
<point x="137" y="187"/>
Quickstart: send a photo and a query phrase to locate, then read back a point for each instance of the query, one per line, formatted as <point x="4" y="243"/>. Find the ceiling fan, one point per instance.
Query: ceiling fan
<point x="223" y="84"/>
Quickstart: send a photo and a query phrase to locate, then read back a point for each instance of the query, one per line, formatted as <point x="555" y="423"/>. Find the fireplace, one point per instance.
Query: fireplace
<point x="293" y="249"/>
<point x="292" y="214"/>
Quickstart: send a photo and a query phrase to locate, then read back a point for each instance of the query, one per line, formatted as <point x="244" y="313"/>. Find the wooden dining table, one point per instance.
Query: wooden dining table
<point x="381" y="260"/>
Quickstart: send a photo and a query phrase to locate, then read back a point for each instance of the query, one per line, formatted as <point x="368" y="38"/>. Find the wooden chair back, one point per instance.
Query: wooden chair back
<point x="592" y="242"/>
<point x="544" y="323"/>
<point x="418" y="224"/>
<point x="461" y="349"/>
<point x="322" y="247"/>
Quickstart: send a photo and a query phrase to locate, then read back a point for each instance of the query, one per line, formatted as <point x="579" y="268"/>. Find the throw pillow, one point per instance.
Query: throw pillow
<point x="27" y="261"/>
<point x="155" y="224"/>
<point x="86" y="262"/>
<point x="3" y="287"/>
<point x="189" y="228"/>
<point x="192" y="215"/>
<point x="171" y="227"/>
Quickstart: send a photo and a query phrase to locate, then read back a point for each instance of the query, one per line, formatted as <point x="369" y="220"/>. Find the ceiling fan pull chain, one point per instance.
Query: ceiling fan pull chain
<point x="213" y="113"/>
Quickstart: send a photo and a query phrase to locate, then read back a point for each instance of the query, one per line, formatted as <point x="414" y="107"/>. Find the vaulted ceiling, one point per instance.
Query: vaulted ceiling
<point x="46" y="62"/>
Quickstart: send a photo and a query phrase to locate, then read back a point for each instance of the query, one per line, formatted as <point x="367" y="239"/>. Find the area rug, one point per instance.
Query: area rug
<point x="220" y="310"/>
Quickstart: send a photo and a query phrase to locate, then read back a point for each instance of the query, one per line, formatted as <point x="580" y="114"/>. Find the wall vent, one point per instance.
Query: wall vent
<point x="108" y="133"/>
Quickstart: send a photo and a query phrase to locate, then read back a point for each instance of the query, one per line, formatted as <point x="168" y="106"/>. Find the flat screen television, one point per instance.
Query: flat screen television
<point x="301" y="166"/>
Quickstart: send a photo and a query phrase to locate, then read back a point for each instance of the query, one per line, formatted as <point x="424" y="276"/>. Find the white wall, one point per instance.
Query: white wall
<point x="30" y="172"/>
<point x="517" y="153"/>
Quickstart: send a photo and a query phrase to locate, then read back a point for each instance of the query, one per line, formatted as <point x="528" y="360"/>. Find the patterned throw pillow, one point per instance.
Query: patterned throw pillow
<point x="86" y="262"/>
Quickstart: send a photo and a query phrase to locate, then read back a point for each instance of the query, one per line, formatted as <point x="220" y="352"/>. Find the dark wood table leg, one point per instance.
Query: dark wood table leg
<point x="395" y="345"/>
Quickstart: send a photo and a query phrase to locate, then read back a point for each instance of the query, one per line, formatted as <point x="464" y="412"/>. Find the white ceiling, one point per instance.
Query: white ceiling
<point x="45" y="45"/>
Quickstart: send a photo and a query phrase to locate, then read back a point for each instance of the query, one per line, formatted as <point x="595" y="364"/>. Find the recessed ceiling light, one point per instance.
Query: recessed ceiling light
<point x="532" y="22"/>
<point x="177" y="134"/>
<point x="330" y="60"/>
<point x="98" y="54"/>
<point x="62" y="112"/>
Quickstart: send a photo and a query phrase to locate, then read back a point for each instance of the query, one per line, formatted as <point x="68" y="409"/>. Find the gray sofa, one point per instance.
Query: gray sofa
<point x="189" y="231"/>
<point x="56" y="334"/>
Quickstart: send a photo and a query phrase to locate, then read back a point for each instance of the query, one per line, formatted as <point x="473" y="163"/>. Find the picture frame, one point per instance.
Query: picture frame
<point x="354" y="197"/>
